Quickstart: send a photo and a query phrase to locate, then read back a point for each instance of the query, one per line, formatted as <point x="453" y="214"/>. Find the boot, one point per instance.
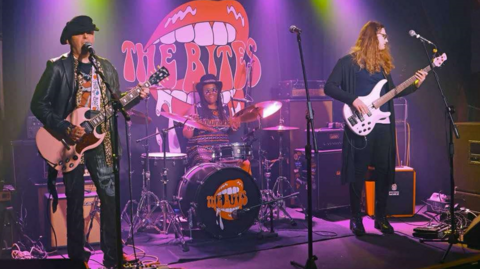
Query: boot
<point x="356" y="225"/>
<point x="382" y="224"/>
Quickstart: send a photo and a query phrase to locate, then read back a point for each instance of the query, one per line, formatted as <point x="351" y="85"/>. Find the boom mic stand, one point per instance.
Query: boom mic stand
<point x="117" y="106"/>
<point x="452" y="128"/>
<point x="310" y="264"/>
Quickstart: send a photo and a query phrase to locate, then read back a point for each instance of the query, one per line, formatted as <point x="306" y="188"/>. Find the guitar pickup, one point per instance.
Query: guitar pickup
<point x="87" y="126"/>
<point x="360" y="116"/>
<point x="352" y="121"/>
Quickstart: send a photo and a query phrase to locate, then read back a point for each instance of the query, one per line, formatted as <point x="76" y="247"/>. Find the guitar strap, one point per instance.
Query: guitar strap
<point x="98" y="90"/>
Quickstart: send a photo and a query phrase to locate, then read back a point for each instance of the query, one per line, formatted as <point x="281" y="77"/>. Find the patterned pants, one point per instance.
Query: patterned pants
<point x="103" y="177"/>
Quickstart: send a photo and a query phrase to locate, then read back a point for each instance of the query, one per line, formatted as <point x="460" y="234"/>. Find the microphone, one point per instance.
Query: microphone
<point x="247" y="135"/>
<point x="88" y="47"/>
<point x="413" y="34"/>
<point x="295" y="29"/>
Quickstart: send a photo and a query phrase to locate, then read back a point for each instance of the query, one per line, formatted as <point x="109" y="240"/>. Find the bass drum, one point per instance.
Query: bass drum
<point x="214" y="191"/>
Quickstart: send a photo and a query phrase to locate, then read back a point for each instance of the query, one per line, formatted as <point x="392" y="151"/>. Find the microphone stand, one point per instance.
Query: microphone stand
<point x="310" y="264"/>
<point x="117" y="106"/>
<point x="452" y="128"/>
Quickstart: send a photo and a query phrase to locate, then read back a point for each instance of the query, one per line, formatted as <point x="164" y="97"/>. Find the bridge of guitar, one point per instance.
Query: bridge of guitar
<point x="359" y="123"/>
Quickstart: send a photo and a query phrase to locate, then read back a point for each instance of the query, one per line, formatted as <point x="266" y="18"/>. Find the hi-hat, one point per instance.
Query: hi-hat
<point x="188" y="121"/>
<point x="138" y="117"/>
<point x="262" y="110"/>
<point x="280" y="128"/>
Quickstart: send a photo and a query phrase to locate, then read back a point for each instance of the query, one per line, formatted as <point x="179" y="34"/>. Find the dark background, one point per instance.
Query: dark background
<point x="30" y="32"/>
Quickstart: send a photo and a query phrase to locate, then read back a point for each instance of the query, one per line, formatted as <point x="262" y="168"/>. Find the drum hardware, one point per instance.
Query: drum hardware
<point x="211" y="192"/>
<point x="190" y="122"/>
<point x="259" y="110"/>
<point x="267" y="204"/>
<point x="148" y="202"/>
<point x="168" y="217"/>
<point x="281" y="181"/>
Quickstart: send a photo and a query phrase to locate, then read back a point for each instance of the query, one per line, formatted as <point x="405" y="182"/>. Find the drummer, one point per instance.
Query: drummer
<point x="210" y="110"/>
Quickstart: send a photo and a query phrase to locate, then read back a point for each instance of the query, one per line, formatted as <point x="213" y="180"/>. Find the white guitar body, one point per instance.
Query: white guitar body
<point x="64" y="154"/>
<point x="53" y="146"/>
<point x="364" y="124"/>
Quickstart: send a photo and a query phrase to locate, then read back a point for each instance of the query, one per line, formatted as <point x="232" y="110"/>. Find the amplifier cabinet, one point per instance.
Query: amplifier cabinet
<point x="466" y="163"/>
<point x="327" y="190"/>
<point x="328" y="138"/>
<point x="293" y="114"/>
<point x="401" y="196"/>
<point x="59" y="220"/>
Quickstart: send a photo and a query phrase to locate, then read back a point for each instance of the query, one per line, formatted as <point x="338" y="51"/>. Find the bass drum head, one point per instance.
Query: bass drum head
<point x="221" y="191"/>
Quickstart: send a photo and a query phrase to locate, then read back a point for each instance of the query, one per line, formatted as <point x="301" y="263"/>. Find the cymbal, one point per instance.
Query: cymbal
<point x="280" y="128"/>
<point x="138" y="117"/>
<point x="262" y="109"/>
<point x="187" y="121"/>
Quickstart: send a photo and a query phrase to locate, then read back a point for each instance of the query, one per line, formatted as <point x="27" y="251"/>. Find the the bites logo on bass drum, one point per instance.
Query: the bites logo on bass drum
<point x="229" y="196"/>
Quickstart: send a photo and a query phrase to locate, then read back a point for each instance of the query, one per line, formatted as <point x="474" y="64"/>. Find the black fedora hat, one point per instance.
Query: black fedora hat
<point x="209" y="79"/>
<point x="78" y="25"/>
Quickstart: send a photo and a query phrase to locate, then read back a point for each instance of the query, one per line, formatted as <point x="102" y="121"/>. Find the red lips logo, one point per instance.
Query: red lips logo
<point x="218" y="28"/>
<point x="229" y="196"/>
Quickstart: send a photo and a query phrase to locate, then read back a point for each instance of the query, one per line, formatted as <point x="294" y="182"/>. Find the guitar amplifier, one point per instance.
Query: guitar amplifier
<point x="467" y="165"/>
<point x="327" y="190"/>
<point x="288" y="89"/>
<point x="59" y="220"/>
<point x="401" y="196"/>
<point x="328" y="138"/>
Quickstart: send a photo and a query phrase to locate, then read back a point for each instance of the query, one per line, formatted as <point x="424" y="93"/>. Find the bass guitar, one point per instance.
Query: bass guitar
<point x="363" y="124"/>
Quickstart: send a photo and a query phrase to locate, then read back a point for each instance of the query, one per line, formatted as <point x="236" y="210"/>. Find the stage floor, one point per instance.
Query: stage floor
<point x="335" y="247"/>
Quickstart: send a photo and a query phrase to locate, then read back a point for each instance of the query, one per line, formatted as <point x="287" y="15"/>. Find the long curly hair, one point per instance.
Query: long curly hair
<point x="366" y="53"/>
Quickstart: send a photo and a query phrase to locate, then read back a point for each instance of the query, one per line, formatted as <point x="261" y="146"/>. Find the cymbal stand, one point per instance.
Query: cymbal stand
<point x="168" y="218"/>
<point x="277" y="189"/>
<point x="148" y="202"/>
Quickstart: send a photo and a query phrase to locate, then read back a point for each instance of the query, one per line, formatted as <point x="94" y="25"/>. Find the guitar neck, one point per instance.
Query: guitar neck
<point x="125" y="100"/>
<point x="389" y="95"/>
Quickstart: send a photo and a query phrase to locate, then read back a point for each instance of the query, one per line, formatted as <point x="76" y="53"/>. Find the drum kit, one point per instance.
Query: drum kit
<point x="218" y="197"/>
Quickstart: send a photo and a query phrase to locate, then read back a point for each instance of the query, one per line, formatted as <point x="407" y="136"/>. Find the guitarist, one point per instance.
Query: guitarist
<point x="354" y="75"/>
<point x="70" y="82"/>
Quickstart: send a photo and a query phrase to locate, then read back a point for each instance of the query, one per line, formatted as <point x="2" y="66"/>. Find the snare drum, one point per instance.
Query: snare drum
<point x="232" y="152"/>
<point x="175" y="164"/>
<point x="215" y="192"/>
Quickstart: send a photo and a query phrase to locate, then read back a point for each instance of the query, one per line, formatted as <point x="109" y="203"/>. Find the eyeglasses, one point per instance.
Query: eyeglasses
<point x="385" y="36"/>
<point x="211" y="90"/>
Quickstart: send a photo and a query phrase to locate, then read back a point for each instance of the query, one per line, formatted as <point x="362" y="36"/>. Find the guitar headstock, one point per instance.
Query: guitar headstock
<point x="438" y="61"/>
<point x="158" y="76"/>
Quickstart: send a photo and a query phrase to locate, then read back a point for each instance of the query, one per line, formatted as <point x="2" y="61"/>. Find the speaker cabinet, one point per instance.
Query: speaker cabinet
<point x="28" y="165"/>
<point x="59" y="220"/>
<point x="327" y="190"/>
<point x="401" y="196"/>
<point x="466" y="162"/>
<point x="293" y="114"/>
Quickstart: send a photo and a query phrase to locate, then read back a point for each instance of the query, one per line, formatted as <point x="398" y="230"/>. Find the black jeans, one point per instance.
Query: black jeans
<point x="375" y="153"/>
<point x="103" y="177"/>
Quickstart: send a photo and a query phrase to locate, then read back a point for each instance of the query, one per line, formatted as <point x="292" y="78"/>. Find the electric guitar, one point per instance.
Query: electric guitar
<point x="363" y="124"/>
<point x="61" y="152"/>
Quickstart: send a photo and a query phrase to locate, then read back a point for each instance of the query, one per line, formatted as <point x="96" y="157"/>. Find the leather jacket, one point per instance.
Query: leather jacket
<point x="54" y="97"/>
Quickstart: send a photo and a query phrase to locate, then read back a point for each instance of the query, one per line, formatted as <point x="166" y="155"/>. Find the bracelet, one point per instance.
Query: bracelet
<point x="69" y="129"/>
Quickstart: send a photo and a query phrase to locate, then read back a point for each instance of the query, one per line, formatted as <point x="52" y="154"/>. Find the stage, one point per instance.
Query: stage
<point x="334" y="245"/>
